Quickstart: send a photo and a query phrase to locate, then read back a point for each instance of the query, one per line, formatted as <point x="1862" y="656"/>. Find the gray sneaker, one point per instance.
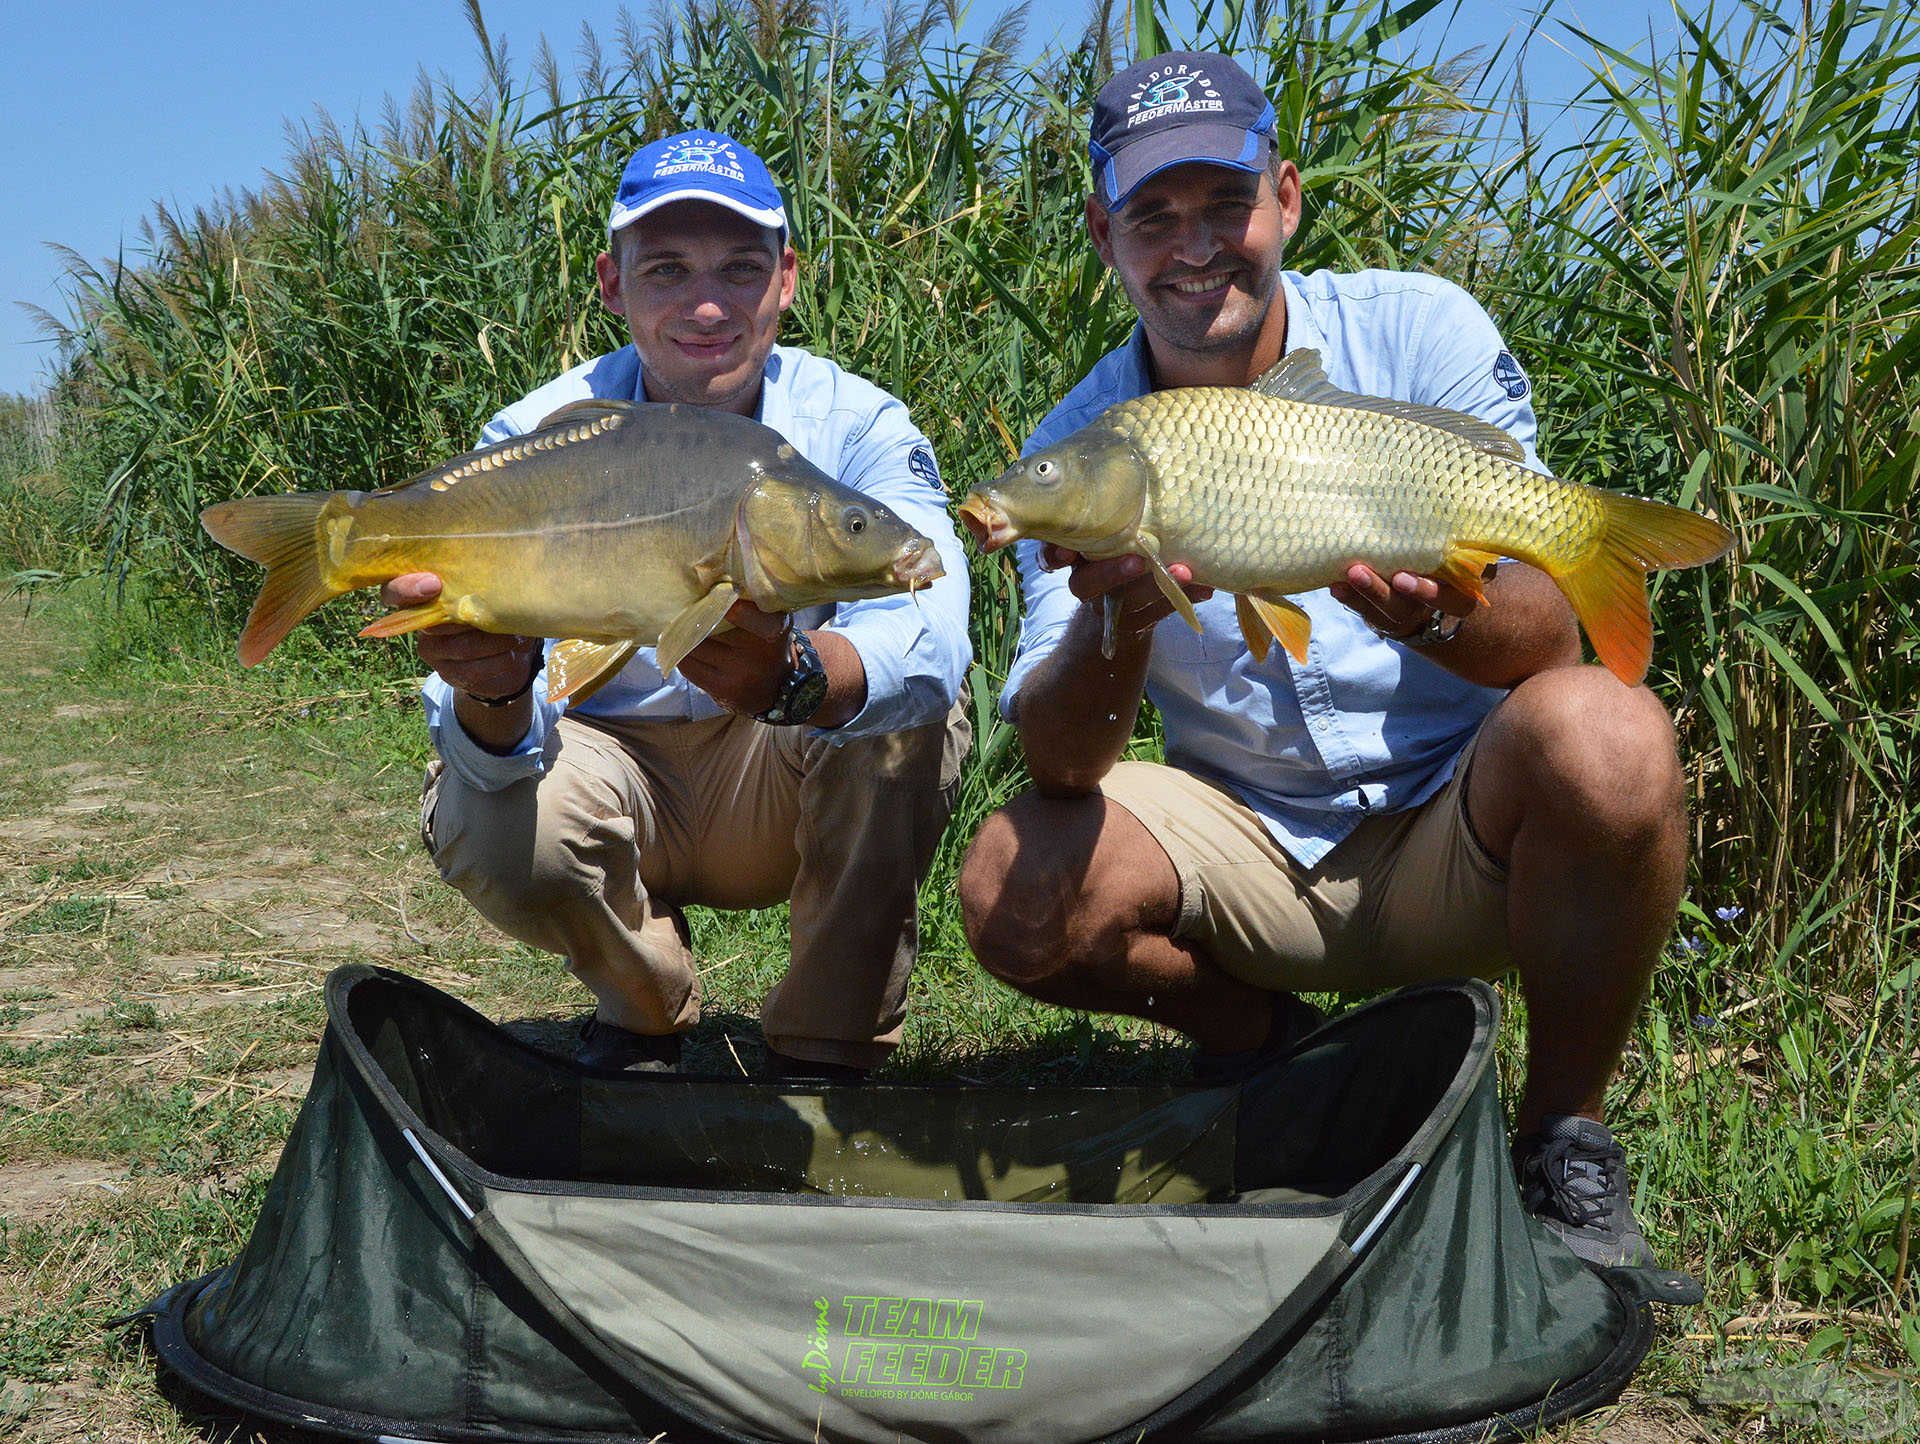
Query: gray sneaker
<point x="1573" y="1178"/>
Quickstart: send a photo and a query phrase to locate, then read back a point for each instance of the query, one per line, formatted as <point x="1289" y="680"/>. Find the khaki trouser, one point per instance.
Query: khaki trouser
<point x="632" y="821"/>
<point x="1408" y="897"/>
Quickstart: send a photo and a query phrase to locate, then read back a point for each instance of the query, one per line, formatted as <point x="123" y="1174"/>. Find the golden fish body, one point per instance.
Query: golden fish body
<point x="611" y="526"/>
<point x="1278" y="488"/>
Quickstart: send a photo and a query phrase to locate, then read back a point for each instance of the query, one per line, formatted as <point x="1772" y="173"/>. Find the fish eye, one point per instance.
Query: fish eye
<point x="854" y="519"/>
<point x="1047" y="471"/>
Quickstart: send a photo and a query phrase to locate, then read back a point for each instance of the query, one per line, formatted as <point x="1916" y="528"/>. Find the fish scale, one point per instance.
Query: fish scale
<point x="1279" y="487"/>
<point x="612" y="526"/>
<point x="1269" y="494"/>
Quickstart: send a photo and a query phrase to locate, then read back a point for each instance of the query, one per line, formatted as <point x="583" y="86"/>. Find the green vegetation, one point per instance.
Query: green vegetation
<point x="1711" y="268"/>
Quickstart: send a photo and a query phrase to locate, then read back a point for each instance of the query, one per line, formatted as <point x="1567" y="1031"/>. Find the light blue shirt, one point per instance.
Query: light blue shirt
<point x="915" y="649"/>
<point x="1365" y="726"/>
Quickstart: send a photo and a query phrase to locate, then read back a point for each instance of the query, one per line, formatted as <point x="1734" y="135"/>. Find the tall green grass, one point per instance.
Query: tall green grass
<point x="1714" y="287"/>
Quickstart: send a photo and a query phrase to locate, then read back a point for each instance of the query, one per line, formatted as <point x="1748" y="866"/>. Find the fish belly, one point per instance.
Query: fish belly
<point x="1263" y="495"/>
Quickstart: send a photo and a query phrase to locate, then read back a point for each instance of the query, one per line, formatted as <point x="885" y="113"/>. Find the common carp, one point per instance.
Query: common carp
<point x="1280" y="486"/>
<point x="613" y="525"/>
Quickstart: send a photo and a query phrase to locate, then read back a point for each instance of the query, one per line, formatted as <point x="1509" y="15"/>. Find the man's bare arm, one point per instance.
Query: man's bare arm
<point x="1076" y="711"/>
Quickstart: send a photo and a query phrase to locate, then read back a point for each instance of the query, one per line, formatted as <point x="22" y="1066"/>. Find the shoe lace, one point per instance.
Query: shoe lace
<point x="1576" y="1179"/>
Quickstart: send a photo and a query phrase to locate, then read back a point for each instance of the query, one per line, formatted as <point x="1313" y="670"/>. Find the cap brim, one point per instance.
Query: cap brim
<point x="775" y="219"/>
<point x="1202" y="143"/>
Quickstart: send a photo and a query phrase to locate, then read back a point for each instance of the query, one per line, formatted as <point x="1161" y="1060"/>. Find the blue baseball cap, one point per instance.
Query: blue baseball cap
<point x="1171" y="110"/>
<point x="698" y="165"/>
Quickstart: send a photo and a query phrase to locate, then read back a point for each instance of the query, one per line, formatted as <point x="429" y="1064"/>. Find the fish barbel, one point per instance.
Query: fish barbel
<point x="611" y="526"/>
<point x="1280" y="486"/>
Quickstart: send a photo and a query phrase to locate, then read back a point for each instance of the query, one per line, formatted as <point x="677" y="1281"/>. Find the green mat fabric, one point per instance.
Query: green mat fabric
<point x="469" y="1240"/>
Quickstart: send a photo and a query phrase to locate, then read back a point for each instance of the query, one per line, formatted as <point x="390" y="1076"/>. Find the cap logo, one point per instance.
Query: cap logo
<point x="1172" y="92"/>
<point x="715" y="157"/>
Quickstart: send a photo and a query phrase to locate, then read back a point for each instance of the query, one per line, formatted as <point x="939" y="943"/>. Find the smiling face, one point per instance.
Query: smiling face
<point x="1198" y="249"/>
<point x="702" y="290"/>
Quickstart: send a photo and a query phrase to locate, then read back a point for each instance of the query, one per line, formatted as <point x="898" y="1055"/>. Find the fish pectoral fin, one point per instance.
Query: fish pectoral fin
<point x="411" y="619"/>
<point x="1465" y="569"/>
<point x="577" y="669"/>
<point x="593" y="408"/>
<point x="693" y="626"/>
<point x="1278" y="616"/>
<point x="1169" y="588"/>
<point x="1298" y="376"/>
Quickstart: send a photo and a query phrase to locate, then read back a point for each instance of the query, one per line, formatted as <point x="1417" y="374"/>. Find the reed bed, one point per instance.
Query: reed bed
<point x="1714" y="288"/>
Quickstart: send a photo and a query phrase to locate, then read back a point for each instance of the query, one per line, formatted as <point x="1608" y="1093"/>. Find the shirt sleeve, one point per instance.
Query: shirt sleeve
<point x="1463" y="364"/>
<point x="466" y="759"/>
<point x="914" y="647"/>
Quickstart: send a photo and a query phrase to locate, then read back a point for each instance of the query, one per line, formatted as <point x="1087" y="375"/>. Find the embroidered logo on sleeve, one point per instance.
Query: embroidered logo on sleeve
<point x="1512" y="379"/>
<point x="920" y="463"/>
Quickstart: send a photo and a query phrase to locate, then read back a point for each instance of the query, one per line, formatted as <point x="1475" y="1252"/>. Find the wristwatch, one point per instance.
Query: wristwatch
<point x="804" y="689"/>
<point x="1437" y="628"/>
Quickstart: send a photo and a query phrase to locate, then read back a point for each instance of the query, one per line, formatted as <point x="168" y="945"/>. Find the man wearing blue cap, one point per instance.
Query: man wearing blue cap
<point x="1439" y="790"/>
<point x="812" y="758"/>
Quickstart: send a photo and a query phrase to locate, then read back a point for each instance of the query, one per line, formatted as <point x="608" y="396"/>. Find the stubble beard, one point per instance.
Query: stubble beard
<point x="1204" y="336"/>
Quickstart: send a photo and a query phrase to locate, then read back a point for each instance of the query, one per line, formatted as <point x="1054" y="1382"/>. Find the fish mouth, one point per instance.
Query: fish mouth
<point x="986" y="522"/>
<point x="917" y="565"/>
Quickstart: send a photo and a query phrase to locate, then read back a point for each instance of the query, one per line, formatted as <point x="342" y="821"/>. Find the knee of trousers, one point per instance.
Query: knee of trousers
<point x="517" y="852"/>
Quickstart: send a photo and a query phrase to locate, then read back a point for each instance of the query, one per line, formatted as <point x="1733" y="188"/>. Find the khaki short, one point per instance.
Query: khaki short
<point x="1408" y="897"/>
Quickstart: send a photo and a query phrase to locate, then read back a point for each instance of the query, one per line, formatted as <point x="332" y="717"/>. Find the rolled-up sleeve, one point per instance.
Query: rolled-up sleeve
<point x="914" y="647"/>
<point x="480" y="769"/>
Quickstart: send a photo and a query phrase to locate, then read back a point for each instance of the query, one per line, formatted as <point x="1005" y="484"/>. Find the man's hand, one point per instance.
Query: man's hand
<point x="1400" y="606"/>
<point x="742" y="666"/>
<point x="1142" y="604"/>
<point x="485" y="664"/>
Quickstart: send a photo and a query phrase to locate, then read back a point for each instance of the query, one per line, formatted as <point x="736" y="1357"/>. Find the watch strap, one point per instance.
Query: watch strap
<point x="804" y="689"/>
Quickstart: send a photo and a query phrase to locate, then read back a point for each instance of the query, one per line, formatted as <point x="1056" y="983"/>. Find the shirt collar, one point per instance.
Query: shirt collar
<point x="1303" y="333"/>
<point x="775" y="408"/>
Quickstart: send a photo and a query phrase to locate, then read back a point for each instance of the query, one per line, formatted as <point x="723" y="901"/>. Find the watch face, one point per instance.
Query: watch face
<point x="809" y="691"/>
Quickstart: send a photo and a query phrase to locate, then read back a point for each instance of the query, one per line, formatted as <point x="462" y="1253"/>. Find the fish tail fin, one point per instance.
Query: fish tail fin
<point x="280" y="533"/>
<point x="1608" y="587"/>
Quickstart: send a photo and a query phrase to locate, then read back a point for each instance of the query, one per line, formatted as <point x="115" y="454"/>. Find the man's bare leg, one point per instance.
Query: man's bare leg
<point x="1071" y="901"/>
<point x="1576" y="785"/>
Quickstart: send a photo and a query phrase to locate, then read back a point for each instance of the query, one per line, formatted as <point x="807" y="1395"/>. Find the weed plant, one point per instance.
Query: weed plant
<point x="1714" y="288"/>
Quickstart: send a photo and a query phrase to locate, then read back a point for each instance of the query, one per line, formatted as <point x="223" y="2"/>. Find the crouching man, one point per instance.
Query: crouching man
<point x="1440" y="790"/>
<point x="813" y="759"/>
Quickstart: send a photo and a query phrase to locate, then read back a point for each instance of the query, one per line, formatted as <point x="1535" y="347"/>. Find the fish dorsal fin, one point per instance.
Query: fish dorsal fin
<point x="1298" y="376"/>
<point x="593" y="408"/>
<point x="593" y="415"/>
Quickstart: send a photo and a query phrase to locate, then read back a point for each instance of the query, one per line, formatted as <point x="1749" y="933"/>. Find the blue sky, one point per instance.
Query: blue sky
<point x="109" y="106"/>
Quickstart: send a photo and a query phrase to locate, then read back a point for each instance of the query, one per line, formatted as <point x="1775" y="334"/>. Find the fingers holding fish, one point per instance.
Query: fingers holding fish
<point x="741" y="669"/>
<point x="750" y="618"/>
<point x="1399" y="603"/>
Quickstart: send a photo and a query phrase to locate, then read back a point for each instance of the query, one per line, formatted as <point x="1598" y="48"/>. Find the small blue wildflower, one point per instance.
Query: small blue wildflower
<point x="1691" y="946"/>
<point x="1727" y="915"/>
